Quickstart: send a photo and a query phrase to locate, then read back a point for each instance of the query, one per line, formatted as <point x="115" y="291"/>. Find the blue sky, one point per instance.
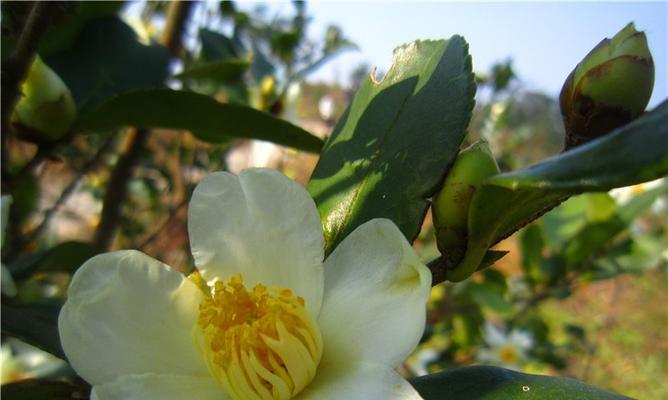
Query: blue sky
<point x="544" y="39"/>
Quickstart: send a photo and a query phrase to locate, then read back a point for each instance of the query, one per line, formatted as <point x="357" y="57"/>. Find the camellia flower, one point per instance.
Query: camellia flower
<point x="507" y="350"/>
<point x="263" y="318"/>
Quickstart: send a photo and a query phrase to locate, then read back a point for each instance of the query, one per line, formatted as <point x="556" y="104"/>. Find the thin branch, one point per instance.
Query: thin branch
<point x="67" y="192"/>
<point x="15" y="68"/>
<point x="117" y="188"/>
<point x="156" y="233"/>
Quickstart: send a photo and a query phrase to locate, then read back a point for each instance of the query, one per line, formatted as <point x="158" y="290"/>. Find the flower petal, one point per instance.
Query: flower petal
<point x="358" y="382"/>
<point x="261" y="224"/>
<point x="127" y="313"/>
<point x="376" y="291"/>
<point x="159" y="387"/>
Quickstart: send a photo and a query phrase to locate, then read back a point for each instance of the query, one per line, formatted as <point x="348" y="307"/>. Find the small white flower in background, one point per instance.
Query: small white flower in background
<point x="19" y="360"/>
<point x="506" y="350"/>
<point x="624" y="194"/>
<point x="264" y="318"/>
<point x="7" y="286"/>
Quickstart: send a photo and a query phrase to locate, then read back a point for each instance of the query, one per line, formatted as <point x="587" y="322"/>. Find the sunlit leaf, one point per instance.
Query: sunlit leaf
<point x="395" y="142"/>
<point x="632" y="154"/>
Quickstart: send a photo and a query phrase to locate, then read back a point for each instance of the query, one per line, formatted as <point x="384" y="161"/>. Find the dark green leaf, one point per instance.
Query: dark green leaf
<point x="61" y="34"/>
<point x="261" y="66"/>
<point x="216" y="46"/>
<point x="632" y="154"/>
<point x="44" y="389"/>
<point x="216" y="71"/>
<point x="481" y="383"/>
<point x="105" y="60"/>
<point x="64" y="257"/>
<point x="207" y="118"/>
<point x="393" y="145"/>
<point x="35" y="324"/>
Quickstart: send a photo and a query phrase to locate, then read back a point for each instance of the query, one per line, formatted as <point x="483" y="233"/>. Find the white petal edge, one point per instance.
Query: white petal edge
<point x="376" y="290"/>
<point x="127" y="313"/>
<point x="261" y="224"/>
<point x="358" y="382"/>
<point x="159" y="387"/>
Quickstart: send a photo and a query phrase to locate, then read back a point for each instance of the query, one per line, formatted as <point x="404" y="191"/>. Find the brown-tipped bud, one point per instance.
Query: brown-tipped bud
<point x="609" y="88"/>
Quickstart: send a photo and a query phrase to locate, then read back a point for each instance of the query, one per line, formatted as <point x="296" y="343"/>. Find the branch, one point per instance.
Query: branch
<point x="149" y="239"/>
<point x="15" y="68"/>
<point x="117" y="188"/>
<point x="85" y="169"/>
<point x="116" y="193"/>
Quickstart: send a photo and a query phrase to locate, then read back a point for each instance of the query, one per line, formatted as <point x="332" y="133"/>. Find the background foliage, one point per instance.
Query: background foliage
<point x="178" y="90"/>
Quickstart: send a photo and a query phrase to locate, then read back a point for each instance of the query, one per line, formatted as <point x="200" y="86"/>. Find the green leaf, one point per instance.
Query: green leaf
<point x="216" y="46"/>
<point x="393" y="145"/>
<point x="482" y="383"/>
<point x="489" y="297"/>
<point x="44" y="389"/>
<point x="632" y="154"/>
<point x="64" y="257"/>
<point x="35" y="324"/>
<point x="207" y="118"/>
<point x="592" y="237"/>
<point x="61" y="34"/>
<point x="532" y="244"/>
<point x="224" y="71"/>
<point x="106" y="59"/>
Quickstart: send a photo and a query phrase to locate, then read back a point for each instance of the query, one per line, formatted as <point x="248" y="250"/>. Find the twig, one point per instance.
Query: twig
<point x="117" y="188"/>
<point x="162" y="226"/>
<point x="85" y="169"/>
<point x="15" y="68"/>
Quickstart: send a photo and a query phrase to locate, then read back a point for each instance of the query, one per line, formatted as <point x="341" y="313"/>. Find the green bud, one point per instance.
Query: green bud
<point x="46" y="111"/>
<point x="451" y="206"/>
<point x="609" y="88"/>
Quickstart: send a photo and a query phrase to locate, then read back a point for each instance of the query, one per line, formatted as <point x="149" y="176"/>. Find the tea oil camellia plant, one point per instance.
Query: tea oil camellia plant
<point x="283" y="291"/>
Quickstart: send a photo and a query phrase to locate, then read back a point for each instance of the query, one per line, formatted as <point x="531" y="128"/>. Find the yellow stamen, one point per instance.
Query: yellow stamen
<point x="259" y="344"/>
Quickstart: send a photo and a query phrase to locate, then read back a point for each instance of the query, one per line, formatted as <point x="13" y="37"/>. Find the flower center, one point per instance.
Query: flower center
<point x="260" y="343"/>
<point x="508" y="355"/>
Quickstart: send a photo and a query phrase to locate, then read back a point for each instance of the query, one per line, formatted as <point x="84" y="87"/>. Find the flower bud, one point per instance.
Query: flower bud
<point x="46" y="111"/>
<point x="609" y="88"/>
<point x="451" y="206"/>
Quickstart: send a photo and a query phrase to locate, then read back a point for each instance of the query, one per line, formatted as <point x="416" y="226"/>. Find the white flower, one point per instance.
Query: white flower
<point x="505" y="350"/>
<point x="274" y="322"/>
<point x="27" y="362"/>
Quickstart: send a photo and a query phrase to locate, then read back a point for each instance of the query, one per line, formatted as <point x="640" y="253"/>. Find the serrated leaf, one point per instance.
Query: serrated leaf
<point x="106" y="59"/>
<point x="44" y="389"/>
<point x="35" y="324"/>
<point x="632" y="154"/>
<point x="393" y="145"/>
<point x="205" y="117"/>
<point x="488" y="383"/>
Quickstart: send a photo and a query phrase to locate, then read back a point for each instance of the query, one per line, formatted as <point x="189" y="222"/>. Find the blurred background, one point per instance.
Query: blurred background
<point x="583" y="291"/>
